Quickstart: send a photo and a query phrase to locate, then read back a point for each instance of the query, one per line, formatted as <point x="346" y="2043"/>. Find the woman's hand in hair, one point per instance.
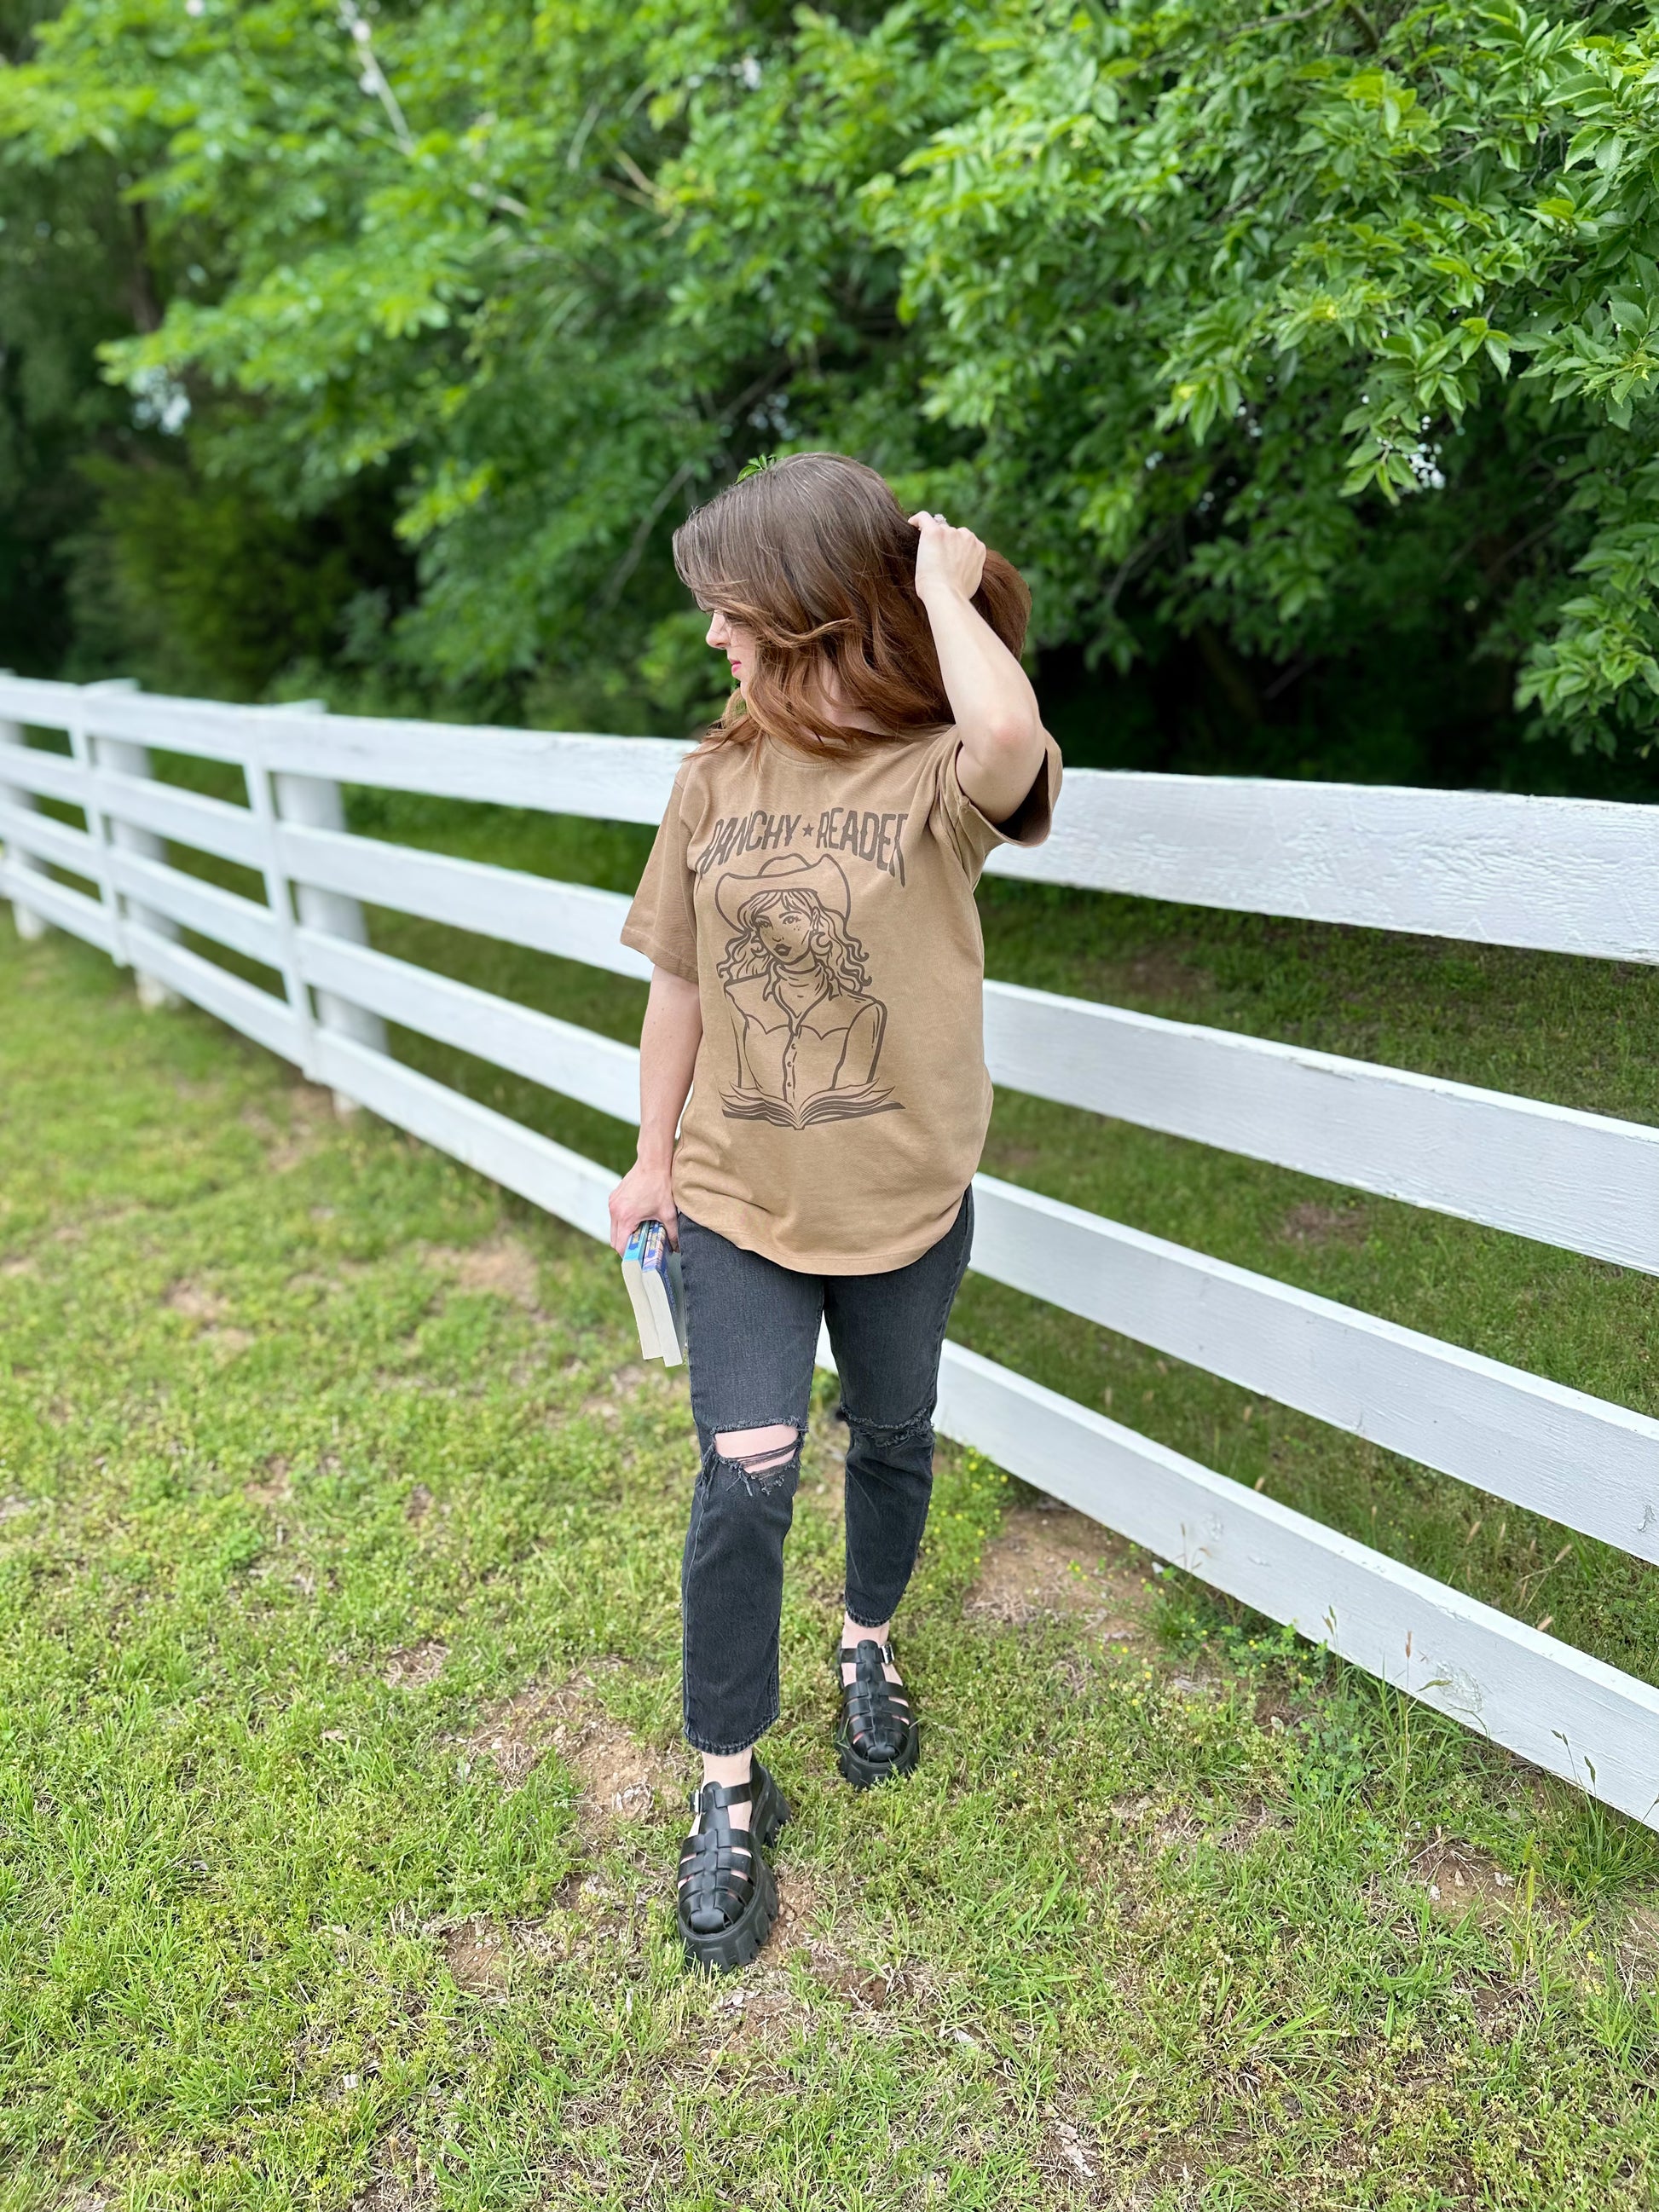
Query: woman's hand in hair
<point x="996" y="711"/>
<point x="948" y="559"/>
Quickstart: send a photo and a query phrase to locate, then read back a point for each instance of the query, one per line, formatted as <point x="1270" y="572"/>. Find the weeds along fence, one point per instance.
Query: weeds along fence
<point x="1557" y="875"/>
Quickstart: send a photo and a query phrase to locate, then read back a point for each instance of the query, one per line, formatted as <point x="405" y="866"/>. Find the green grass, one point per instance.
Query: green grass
<point x="320" y="1459"/>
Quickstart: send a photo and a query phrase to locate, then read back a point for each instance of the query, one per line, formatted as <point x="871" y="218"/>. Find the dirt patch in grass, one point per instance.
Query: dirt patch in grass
<point x="802" y="1908"/>
<point x="1310" y="1223"/>
<point x="1050" y="1562"/>
<point x="1459" y="1880"/>
<point x="1070" y="2162"/>
<point x="398" y="2184"/>
<point x="765" y="2003"/>
<point x="310" y="1113"/>
<point x="276" y="1489"/>
<point x="1637" y="1945"/>
<point x="1160" y="972"/>
<point x="1252" y="1821"/>
<point x="606" y="1405"/>
<point x="477" y="1954"/>
<point x="505" y="1267"/>
<point x="414" y="1668"/>
<point x="754" y="2016"/>
<point x="866" y="1988"/>
<point x="620" y="1776"/>
<point x="21" y="1265"/>
<point x="196" y="1302"/>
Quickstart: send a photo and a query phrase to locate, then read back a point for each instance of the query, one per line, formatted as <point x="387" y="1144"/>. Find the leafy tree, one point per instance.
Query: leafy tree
<point x="1302" y="355"/>
<point x="115" y="553"/>
<point x="70" y="278"/>
<point x="204" y="586"/>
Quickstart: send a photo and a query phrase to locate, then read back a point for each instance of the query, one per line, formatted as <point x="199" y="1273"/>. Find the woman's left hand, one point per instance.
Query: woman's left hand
<point x="947" y="559"/>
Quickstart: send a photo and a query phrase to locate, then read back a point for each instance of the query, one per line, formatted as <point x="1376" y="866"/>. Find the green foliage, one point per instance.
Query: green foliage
<point x="211" y="586"/>
<point x="67" y="248"/>
<point x="1280" y="330"/>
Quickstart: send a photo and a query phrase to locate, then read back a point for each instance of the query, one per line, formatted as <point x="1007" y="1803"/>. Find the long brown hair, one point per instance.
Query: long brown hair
<point x="815" y="557"/>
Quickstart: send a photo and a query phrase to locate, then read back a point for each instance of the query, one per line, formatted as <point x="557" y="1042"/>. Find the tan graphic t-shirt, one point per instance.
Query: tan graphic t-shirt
<point x="825" y="911"/>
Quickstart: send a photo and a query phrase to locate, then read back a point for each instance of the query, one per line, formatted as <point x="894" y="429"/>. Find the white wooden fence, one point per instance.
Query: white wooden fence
<point x="1570" y="876"/>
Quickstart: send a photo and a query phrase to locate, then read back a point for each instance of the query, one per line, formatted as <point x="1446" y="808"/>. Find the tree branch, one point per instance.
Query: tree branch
<point x="641" y="538"/>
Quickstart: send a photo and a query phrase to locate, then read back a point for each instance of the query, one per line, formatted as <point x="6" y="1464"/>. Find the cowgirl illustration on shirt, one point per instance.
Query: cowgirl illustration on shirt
<point x="808" y="1032"/>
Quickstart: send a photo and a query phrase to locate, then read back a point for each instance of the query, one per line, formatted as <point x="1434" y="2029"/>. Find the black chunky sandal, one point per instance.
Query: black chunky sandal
<point x="728" y="1899"/>
<point x="878" y="1735"/>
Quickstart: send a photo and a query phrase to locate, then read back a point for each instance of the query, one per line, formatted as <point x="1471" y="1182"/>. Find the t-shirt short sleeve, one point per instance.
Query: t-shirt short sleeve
<point x="662" y="923"/>
<point x="966" y="830"/>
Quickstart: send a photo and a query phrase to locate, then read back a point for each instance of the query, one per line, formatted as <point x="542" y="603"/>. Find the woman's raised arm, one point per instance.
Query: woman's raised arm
<point x="996" y="710"/>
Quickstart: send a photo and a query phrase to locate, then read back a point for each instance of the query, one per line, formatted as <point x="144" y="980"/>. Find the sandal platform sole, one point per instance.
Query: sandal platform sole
<point x="865" y="1773"/>
<point x="727" y="1948"/>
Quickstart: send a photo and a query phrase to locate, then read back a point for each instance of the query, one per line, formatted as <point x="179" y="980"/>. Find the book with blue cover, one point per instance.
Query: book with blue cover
<point x="633" y="1283"/>
<point x="651" y="1271"/>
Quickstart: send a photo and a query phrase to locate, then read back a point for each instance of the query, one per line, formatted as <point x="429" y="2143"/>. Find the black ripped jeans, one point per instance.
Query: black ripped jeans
<point x="753" y="1327"/>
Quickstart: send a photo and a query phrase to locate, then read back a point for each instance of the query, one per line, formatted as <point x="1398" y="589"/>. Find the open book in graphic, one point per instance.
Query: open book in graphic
<point x="743" y="1105"/>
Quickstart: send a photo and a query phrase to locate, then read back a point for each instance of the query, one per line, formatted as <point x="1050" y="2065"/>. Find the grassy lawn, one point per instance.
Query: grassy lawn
<point x="339" y="1680"/>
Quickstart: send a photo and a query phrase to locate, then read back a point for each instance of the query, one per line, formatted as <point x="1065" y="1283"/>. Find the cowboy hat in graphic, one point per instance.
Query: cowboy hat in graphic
<point x="786" y="872"/>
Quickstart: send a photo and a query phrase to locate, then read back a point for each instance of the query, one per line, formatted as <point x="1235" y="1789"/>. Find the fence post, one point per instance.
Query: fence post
<point x="312" y="802"/>
<point x="29" y="924"/>
<point x="123" y="757"/>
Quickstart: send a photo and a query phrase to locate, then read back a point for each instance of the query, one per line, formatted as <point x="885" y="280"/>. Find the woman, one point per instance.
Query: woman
<point x="816" y="965"/>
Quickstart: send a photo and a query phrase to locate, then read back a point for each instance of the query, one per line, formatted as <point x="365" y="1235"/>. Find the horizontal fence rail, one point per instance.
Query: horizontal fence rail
<point x="1567" y="875"/>
<point x="570" y="919"/>
<point x="1586" y="1183"/>
<point x="1554" y="875"/>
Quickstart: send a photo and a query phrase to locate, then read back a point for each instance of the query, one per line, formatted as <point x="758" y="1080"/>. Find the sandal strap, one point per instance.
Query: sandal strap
<point x="877" y="1713"/>
<point x="717" y="1872"/>
<point x="714" y="1797"/>
<point x="718" y="1851"/>
<point x="879" y="1725"/>
<point x="873" y="1698"/>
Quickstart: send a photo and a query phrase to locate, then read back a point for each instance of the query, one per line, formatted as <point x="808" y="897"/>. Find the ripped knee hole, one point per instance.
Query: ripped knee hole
<point x="760" y="1451"/>
<point x="888" y="1432"/>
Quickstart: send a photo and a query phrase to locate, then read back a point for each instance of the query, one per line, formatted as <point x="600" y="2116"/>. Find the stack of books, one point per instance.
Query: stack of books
<point x="650" y="1269"/>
